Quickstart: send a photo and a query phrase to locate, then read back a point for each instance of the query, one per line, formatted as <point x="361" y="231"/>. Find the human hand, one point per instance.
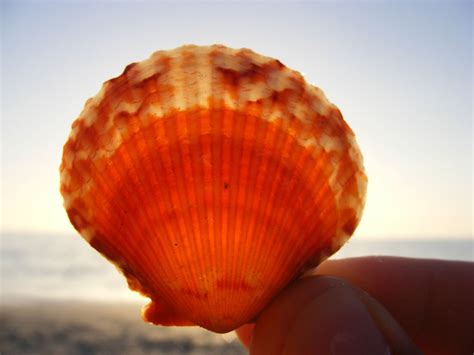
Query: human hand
<point x="371" y="305"/>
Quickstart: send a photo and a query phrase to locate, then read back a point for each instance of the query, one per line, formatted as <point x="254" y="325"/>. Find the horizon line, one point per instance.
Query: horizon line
<point x="352" y="238"/>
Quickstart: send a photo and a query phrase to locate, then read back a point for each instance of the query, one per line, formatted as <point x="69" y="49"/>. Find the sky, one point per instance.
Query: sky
<point x="400" y="72"/>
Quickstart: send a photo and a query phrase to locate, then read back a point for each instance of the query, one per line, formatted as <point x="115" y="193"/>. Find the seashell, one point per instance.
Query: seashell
<point x="211" y="177"/>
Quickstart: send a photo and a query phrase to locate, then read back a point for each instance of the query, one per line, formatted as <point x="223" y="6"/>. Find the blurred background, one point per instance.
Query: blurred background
<point x="401" y="73"/>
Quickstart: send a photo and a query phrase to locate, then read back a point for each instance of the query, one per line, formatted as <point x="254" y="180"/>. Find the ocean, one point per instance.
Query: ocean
<point x="59" y="296"/>
<point x="64" y="267"/>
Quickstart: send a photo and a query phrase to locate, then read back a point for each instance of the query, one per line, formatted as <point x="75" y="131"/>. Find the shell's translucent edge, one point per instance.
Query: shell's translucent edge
<point x="159" y="144"/>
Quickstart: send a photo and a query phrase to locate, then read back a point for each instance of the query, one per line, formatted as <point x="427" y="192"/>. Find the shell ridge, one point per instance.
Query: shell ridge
<point x="324" y="199"/>
<point x="242" y="178"/>
<point x="207" y="195"/>
<point x="342" y="197"/>
<point x="195" y="180"/>
<point x="205" y="146"/>
<point x="221" y="236"/>
<point x="99" y="183"/>
<point x="217" y="198"/>
<point x="250" y="257"/>
<point x="85" y="215"/>
<point x="165" y="193"/>
<point x="268" y="195"/>
<point x="197" y="177"/>
<point x="225" y="170"/>
<point x="187" y="234"/>
<point x="268" y="106"/>
<point x="251" y="194"/>
<point x="241" y="211"/>
<point x="188" y="61"/>
<point x="116" y="232"/>
<point x="250" y="112"/>
<point x="175" y="200"/>
<point x="257" y="198"/>
<point x="222" y="65"/>
<point x="295" y="190"/>
<point x="160" y="238"/>
<point x="135" y="143"/>
<point x="136" y="196"/>
<point x="281" y="199"/>
<point x="237" y="154"/>
<point x="216" y="124"/>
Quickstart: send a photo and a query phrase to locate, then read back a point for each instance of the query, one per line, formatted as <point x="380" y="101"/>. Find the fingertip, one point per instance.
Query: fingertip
<point x="335" y="322"/>
<point x="273" y="324"/>
<point x="327" y="315"/>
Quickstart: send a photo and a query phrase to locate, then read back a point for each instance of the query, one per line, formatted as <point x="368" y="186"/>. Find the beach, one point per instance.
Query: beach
<point x="61" y="327"/>
<point x="59" y="296"/>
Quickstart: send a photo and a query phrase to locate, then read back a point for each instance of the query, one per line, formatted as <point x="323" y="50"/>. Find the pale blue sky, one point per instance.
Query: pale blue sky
<point x="401" y="73"/>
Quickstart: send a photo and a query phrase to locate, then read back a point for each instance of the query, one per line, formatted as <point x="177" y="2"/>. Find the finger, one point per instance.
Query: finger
<point x="433" y="300"/>
<point x="399" y="342"/>
<point x="273" y="323"/>
<point x="325" y="315"/>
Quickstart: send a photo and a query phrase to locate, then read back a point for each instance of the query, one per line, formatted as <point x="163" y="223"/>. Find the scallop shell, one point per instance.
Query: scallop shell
<point x="211" y="177"/>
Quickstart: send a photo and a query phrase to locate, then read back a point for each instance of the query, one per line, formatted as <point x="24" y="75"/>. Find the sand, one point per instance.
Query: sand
<point x="94" y="328"/>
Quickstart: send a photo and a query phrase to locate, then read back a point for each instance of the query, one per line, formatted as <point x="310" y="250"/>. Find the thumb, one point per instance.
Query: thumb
<point x="326" y="315"/>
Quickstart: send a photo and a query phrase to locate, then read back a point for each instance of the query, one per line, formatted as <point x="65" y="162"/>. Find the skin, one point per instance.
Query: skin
<point x="370" y="305"/>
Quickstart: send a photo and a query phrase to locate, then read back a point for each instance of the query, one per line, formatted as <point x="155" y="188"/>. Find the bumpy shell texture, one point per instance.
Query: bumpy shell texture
<point x="211" y="177"/>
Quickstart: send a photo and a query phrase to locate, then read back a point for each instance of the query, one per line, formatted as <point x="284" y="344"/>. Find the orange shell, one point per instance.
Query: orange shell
<point x="211" y="177"/>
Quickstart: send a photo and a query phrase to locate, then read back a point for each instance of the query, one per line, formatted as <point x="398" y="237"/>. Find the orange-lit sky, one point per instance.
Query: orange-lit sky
<point x="401" y="73"/>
